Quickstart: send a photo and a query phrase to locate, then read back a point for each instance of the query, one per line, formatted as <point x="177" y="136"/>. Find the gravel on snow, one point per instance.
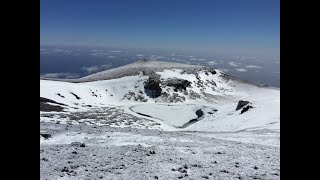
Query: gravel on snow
<point x="93" y="152"/>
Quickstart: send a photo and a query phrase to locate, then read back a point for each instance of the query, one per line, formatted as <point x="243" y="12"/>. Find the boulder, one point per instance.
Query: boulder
<point x="199" y="113"/>
<point x="241" y="104"/>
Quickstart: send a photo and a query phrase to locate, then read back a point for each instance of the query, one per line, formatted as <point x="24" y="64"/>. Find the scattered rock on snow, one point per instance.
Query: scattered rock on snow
<point x="78" y="144"/>
<point x="205" y="177"/>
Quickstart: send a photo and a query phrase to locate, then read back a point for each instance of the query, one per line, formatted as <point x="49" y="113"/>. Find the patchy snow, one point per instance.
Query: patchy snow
<point x="124" y="153"/>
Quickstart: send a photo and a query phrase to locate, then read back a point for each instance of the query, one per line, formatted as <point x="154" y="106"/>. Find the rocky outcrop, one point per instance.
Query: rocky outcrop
<point x="46" y="107"/>
<point x="244" y="105"/>
<point x="241" y="104"/>
<point x="245" y="109"/>
<point x="178" y="84"/>
<point x="152" y="87"/>
<point x="199" y="113"/>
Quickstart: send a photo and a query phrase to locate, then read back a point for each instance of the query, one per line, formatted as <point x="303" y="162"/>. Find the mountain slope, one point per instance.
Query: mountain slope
<point x="157" y="91"/>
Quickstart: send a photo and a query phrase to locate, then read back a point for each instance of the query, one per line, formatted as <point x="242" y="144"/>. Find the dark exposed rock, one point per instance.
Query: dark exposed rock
<point x="78" y="144"/>
<point x="45" y="100"/>
<point x="245" y="109"/>
<point x="241" y="104"/>
<point x="144" y="115"/>
<point x="199" y="113"/>
<point x="152" y="152"/>
<point x="178" y="84"/>
<point x="76" y="96"/>
<point x="45" y="135"/>
<point x="152" y="87"/>
<point x="196" y="165"/>
<point x="60" y="95"/>
<point x="213" y="72"/>
<point x="65" y="169"/>
<point x="224" y="171"/>
<point x="44" y="106"/>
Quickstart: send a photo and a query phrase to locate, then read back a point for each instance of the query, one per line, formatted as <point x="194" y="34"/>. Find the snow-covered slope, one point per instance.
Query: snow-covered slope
<point x="184" y="90"/>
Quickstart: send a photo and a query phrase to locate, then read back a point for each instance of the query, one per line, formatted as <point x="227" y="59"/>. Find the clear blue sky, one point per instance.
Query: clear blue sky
<point x="204" y="25"/>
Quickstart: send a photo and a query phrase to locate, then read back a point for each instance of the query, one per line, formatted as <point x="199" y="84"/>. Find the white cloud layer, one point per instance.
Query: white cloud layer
<point x="60" y="75"/>
<point x="253" y="66"/>
<point x="233" y="64"/>
<point x="241" y="70"/>
<point x="93" y="69"/>
<point x="211" y="63"/>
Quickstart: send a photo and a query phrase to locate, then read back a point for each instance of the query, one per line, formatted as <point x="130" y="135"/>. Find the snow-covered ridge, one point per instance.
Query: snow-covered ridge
<point x="132" y="69"/>
<point x="197" y="85"/>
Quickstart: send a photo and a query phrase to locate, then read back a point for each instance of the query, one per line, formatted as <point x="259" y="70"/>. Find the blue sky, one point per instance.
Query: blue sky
<point x="231" y="26"/>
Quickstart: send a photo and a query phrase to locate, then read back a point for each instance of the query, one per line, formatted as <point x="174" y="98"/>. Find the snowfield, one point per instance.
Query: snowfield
<point x="175" y="115"/>
<point x="192" y="125"/>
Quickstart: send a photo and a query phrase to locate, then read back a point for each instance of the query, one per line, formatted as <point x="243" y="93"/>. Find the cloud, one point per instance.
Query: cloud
<point x="139" y="55"/>
<point x="159" y="57"/>
<point x="115" y="51"/>
<point x="93" y="69"/>
<point x="233" y="64"/>
<point x="111" y="57"/>
<point x="239" y="57"/>
<point x="211" y="63"/>
<point x="225" y="70"/>
<point x="193" y="59"/>
<point x="95" y="50"/>
<point x="241" y="70"/>
<point x="60" y="75"/>
<point x="253" y="66"/>
<point x="99" y="54"/>
<point x="202" y="59"/>
<point x="54" y="51"/>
